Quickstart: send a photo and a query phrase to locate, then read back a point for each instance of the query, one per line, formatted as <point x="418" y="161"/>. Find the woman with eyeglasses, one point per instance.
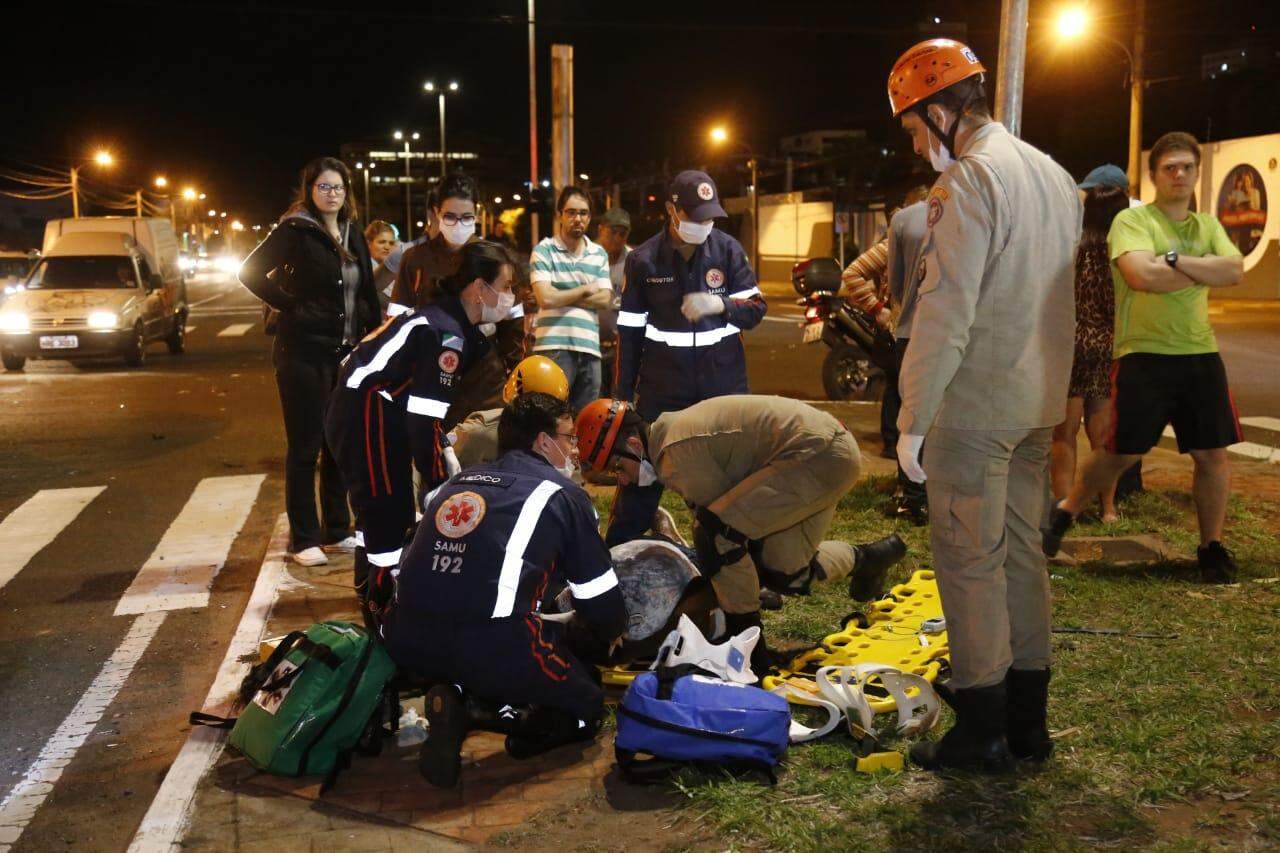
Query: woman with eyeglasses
<point x="453" y="213"/>
<point x="314" y="269"/>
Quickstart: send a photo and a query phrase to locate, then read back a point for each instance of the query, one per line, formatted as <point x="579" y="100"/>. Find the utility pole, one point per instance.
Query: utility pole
<point x="533" y="124"/>
<point x="75" y="192"/>
<point x="137" y="202"/>
<point x="408" y="184"/>
<point x="1011" y="64"/>
<point x="1136" y="84"/>
<point x="562" y="173"/>
<point x="755" y="214"/>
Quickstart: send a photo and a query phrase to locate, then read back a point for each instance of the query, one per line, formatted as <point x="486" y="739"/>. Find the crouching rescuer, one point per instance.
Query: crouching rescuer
<point x="466" y="613"/>
<point x="764" y="475"/>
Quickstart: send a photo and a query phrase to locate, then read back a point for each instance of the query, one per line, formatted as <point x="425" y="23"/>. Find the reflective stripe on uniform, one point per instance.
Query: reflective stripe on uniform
<point x="427" y="406"/>
<point x="386" y="558"/>
<point x="395" y="309"/>
<point x="745" y="294"/>
<point x="633" y="319"/>
<point x="360" y="538"/>
<point x="384" y="354"/>
<point x="691" y="339"/>
<point x="594" y="588"/>
<point x="513" y="562"/>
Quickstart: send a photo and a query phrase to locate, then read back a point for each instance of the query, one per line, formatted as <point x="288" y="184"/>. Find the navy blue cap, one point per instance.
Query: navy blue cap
<point x="696" y="195"/>
<point x="1106" y="176"/>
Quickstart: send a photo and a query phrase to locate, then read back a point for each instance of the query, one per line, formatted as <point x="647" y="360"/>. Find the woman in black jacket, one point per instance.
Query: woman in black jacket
<point x="314" y="269"/>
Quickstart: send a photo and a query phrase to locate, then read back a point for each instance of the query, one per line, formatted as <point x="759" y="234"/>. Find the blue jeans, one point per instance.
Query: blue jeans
<point x="583" y="372"/>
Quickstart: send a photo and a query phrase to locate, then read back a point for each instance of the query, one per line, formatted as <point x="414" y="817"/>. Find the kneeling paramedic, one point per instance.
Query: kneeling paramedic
<point x="469" y="590"/>
<point x="393" y="391"/>
<point x="764" y="475"/>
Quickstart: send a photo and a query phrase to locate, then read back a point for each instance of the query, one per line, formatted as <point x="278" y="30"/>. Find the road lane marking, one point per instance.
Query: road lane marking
<point x="793" y="319"/>
<point x="207" y="299"/>
<point x="27" y="796"/>
<point x="235" y="330"/>
<point x="1272" y="424"/>
<point x="1250" y="449"/>
<point x="167" y="818"/>
<point x="192" y="551"/>
<point x="32" y="526"/>
<point x="241" y="311"/>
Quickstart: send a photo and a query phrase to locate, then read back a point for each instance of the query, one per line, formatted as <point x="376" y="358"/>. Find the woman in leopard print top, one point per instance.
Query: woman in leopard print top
<point x="1089" y="398"/>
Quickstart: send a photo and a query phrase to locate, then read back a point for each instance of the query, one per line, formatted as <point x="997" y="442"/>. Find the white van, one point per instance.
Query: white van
<point x="105" y="286"/>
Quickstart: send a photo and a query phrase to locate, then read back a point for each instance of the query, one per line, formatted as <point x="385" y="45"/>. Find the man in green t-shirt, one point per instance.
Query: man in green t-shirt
<point x="1164" y="259"/>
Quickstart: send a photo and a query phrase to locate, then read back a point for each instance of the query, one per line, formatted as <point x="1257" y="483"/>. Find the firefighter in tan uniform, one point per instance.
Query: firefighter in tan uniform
<point x="764" y="475"/>
<point x="986" y="379"/>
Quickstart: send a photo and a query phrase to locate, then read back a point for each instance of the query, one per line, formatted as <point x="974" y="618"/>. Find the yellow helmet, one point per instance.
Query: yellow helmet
<point x="536" y="373"/>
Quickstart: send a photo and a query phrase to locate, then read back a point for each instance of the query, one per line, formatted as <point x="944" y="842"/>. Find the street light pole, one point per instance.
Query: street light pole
<point x="1011" y="64"/>
<point x="443" y="149"/>
<point x="533" y="126"/>
<point x="1136" y="84"/>
<point x="755" y="216"/>
<point x="75" y="192"/>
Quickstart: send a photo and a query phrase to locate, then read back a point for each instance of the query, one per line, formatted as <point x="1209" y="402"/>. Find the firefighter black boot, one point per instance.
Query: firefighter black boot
<point x="1028" y="728"/>
<point x="866" y="582"/>
<point x="977" y="740"/>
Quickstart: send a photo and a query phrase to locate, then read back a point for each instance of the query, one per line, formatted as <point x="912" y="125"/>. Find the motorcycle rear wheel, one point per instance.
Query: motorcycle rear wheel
<point x="848" y="374"/>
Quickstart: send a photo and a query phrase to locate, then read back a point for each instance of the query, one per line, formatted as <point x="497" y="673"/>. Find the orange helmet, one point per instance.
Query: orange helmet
<point x="598" y="426"/>
<point x="927" y="69"/>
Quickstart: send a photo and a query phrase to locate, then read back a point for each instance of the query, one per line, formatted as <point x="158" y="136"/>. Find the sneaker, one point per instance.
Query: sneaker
<point x="440" y="760"/>
<point x="1060" y="522"/>
<point x="345" y="546"/>
<point x="313" y="556"/>
<point x="1217" y="564"/>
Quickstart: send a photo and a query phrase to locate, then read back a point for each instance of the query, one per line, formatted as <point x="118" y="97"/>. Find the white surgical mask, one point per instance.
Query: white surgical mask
<point x="568" y="468"/>
<point x="457" y="235"/>
<point x="496" y="313"/>
<point x="647" y="476"/>
<point x="694" y="232"/>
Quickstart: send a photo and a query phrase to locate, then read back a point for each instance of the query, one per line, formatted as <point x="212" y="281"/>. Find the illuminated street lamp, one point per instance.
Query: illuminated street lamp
<point x="189" y="194"/>
<point x="1074" y="23"/>
<point x="452" y="88"/>
<point x="236" y="225"/>
<point x="719" y="135"/>
<point x="104" y="159"/>
<point x="161" y="182"/>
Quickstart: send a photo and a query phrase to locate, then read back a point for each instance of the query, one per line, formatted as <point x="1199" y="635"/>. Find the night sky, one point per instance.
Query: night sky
<point x="234" y="97"/>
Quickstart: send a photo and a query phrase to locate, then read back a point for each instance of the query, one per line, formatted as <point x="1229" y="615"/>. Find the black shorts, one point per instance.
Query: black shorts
<point x="1151" y="390"/>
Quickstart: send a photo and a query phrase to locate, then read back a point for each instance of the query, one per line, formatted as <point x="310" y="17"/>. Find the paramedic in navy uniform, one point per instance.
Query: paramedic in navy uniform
<point x="688" y="294"/>
<point x="469" y="589"/>
<point x="393" y="391"/>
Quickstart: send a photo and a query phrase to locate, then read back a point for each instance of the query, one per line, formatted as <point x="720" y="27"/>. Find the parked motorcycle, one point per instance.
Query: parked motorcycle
<point x="860" y="350"/>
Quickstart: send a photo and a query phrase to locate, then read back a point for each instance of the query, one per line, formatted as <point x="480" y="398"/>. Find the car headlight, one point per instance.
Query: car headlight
<point x="14" y="321"/>
<point x="103" y="320"/>
<point x="227" y="264"/>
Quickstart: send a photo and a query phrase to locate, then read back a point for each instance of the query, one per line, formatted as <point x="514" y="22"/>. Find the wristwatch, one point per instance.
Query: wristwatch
<point x="1171" y="258"/>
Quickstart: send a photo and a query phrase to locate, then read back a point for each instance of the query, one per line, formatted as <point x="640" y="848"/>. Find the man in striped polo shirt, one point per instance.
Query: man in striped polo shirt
<point x="570" y="277"/>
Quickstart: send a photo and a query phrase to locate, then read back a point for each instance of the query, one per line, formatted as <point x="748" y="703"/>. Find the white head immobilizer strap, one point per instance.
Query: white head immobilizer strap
<point x="914" y="698"/>
<point x="730" y="660"/>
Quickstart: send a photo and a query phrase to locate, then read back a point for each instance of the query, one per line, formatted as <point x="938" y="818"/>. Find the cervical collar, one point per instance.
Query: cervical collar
<point x="730" y="660"/>
<point x="800" y="733"/>
<point x="845" y="686"/>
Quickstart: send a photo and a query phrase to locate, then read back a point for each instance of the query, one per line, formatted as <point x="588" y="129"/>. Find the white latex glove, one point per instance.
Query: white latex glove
<point x="451" y="465"/>
<point x="699" y="305"/>
<point x="909" y="456"/>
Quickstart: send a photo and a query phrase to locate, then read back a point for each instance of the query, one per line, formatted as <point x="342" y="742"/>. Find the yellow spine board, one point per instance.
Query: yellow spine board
<point x="893" y="637"/>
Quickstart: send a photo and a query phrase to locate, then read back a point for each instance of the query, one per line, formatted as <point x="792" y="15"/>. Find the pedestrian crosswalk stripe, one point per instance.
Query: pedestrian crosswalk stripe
<point x="235" y="330"/>
<point x="32" y="526"/>
<point x="166" y="820"/>
<point x="192" y="551"/>
<point x="1272" y="424"/>
<point x="27" y="796"/>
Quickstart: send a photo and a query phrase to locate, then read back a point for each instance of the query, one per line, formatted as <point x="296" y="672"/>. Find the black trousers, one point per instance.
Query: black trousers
<point x="521" y="660"/>
<point x="305" y="376"/>
<point x="890" y="406"/>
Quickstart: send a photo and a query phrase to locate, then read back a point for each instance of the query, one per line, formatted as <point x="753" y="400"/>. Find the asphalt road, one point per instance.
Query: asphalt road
<point x="97" y="702"/>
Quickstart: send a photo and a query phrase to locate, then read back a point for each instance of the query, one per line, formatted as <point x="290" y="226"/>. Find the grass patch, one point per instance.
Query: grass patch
<point x="1173" y="743"/>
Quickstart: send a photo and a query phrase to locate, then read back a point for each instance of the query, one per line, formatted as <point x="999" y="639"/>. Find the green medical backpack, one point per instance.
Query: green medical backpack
<point x="308" y="705"/>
